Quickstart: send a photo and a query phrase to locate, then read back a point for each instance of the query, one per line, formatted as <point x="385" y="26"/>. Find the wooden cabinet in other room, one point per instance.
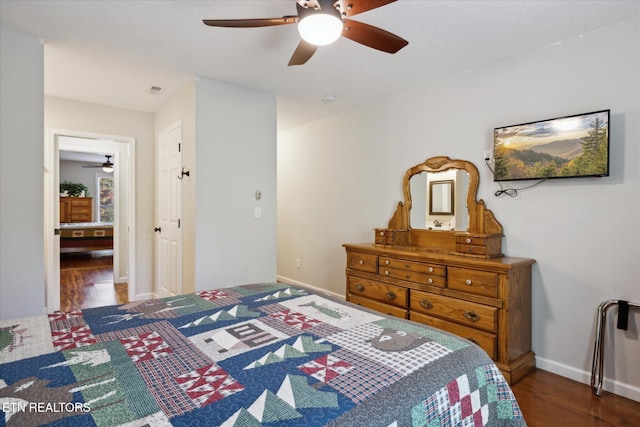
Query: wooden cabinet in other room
<point x="76" y="209"/>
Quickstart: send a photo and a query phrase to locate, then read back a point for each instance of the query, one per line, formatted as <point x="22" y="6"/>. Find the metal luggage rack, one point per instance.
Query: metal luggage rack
<point x="597" y="368"/>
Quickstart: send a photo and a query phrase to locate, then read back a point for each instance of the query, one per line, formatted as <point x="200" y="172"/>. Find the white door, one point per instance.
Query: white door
<point x="169" y="234"/>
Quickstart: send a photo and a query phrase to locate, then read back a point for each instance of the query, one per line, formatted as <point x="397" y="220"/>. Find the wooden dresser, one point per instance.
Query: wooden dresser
<point x="457" y="281"/>
<point x="487" y="301"/>
<point x="76" y="209"/>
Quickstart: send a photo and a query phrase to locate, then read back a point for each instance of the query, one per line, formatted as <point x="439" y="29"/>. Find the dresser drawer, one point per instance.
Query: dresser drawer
<point x="77" y="202"/>
<point x="487" y="341"/>
<point x="81" y="210"/>
<point x="388" y="294"/>
<point x="403" y="313"/>
<point x="473" y="281"/>
<point x="470" y="249"/>
<point x="362" y="262"/>
<point x="455" y="310"/>
<point x="418" y="267"/>
<point x="482" y="246"/>
<point x="80" y="217"/>
<point x="412" y="276"/>
<point x="385" y="236"/>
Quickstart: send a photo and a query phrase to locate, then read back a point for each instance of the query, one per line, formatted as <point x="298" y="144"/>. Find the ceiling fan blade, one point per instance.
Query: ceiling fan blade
<point x="353" y="7"/>
<point x="250" y="23"/>
<point x="373" y="37"/>
<point x="303" y="53"/>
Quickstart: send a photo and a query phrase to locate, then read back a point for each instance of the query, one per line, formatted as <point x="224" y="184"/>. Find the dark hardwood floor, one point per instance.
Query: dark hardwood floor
<point x="546" y="399"/>
<point x="549" y="400"/>
<point x="86" y="281"/>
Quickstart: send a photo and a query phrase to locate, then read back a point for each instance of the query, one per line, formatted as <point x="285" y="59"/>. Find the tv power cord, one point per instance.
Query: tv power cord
<point x="511" y="192"/>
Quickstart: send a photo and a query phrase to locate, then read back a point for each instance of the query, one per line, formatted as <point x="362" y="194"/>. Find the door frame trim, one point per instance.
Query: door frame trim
<point x="124" y="149"/>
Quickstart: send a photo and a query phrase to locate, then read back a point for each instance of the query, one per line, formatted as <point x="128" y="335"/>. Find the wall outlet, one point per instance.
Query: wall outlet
<point x="257" y="212"/>
<point x="488" y="156"/>
<point x="298" y="263"/>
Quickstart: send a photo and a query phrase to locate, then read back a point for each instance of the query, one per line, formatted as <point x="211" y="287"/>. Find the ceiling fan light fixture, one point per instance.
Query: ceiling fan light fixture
<point x="107" y="169"/>
<point x="320" y="29"/>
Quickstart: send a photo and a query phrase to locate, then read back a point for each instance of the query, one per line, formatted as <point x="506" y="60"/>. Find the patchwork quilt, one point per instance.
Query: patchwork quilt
<point x="265" y="354"/>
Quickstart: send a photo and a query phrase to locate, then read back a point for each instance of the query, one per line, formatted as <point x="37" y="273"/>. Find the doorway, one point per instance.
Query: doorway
<point x="122" y="150"/>
<point x="87" y="223"/>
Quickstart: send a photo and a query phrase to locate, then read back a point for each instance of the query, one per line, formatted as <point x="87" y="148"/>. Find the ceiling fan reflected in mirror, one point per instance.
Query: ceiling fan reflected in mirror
<point x="321" y="22"/>
<point x="106" y="166"/>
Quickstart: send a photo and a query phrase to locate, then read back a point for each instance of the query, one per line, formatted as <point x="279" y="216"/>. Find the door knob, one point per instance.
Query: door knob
<point x="157" y="229"/>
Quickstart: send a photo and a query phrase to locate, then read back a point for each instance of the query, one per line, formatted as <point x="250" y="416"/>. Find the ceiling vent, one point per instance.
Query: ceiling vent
<point x="155" y="90"/>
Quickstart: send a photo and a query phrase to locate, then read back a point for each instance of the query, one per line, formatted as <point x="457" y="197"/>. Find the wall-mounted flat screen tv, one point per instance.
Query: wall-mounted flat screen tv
<point x="564" y="147"/>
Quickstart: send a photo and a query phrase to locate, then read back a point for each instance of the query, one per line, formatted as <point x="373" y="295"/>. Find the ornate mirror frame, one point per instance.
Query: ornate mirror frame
<point x="483" y="238"/>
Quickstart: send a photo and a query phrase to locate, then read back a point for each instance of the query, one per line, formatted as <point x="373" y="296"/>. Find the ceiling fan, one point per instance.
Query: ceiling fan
<point x="106" y="166"/>
<point x="321" y="22"/>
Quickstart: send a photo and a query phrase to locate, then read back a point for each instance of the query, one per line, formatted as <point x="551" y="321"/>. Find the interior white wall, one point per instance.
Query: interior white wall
<point x="21" y="182"/>
<point x="236" y="156"/>
<point x="100" y="119"/>
<point x="340" y="177"/>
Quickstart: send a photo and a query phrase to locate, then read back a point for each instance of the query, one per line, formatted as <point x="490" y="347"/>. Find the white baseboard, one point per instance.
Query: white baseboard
<point x="613" y="386"/>
<point x="148" y="295"/>
<point x="306" y="285"/>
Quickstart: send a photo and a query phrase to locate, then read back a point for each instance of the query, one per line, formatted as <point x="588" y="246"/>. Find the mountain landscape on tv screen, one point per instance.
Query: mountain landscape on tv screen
<point x="550" y="150"/>
<point x="564" y="148"/>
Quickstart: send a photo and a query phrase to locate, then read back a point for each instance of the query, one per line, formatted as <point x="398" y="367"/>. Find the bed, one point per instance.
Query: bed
<point x="86" y="236"/>
<point x="263" y="354"/>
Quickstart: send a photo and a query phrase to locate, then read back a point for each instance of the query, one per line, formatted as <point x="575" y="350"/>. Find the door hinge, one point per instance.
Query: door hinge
<point x="179" y="147"/>
<point x="178" y="223"/>
<point x="56" y="231"/>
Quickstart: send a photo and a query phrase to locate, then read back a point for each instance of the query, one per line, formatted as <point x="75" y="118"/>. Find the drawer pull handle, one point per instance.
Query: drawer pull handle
<point x="360" y="288"/>
<point x="426" y="304"/>
<point x="430" y="281"/>
<point x="406" y="276"/>
<point x="386" y="262"/>
<point x="382" y="233"/>
<point x="386" y="272"/>
<point x="361" y="262"/>
<point x="471" y="315"/>
<point x="468" y="240"/>
<point x="430" y="270"/>
<point x="472" y="340"/>
<point x="468" y="282"/>
<point x="391" y="295"/>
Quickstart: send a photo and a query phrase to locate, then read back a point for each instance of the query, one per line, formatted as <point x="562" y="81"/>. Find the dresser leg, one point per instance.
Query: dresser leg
<point x="519" y="368"/>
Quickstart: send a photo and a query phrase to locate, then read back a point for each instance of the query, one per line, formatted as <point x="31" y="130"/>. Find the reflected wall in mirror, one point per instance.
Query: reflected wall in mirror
<point x="422" y="214"/>
<point x="441" y="198"/>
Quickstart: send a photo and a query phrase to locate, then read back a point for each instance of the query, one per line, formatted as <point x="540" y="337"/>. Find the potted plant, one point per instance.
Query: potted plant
<point x="73" y="189"/>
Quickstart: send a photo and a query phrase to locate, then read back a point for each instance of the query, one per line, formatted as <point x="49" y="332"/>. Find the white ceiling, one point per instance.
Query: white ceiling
<point x="75" y="156"/>
<point x="111" y="52"/>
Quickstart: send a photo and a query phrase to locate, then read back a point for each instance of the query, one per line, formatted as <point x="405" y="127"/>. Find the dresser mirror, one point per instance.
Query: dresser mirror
<point x="438" y="200"/>
<point x="467" y="228"/>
